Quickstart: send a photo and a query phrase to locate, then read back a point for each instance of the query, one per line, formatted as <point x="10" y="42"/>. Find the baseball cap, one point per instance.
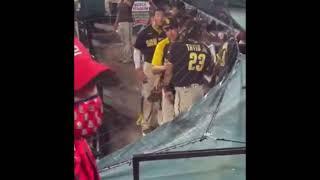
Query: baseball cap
<point x="85" y="68"/>
<point x="170" y="23"/>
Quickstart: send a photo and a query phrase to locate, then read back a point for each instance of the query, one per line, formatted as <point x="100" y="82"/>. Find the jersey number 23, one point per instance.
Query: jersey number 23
<point x="196" y="61"/>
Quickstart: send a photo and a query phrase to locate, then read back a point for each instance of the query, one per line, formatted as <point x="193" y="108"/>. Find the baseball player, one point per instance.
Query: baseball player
<point x="189" y="60"/>
<point x="144" y="47"/>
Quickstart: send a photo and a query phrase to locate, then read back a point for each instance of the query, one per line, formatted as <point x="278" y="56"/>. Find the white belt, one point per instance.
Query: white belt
<point x="190" y="86"/>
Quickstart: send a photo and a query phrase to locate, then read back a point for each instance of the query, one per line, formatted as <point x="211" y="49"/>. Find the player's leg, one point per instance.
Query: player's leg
<point x="127" y="52"/>
<point x="167" y="106"/>
<point x="150" y="118"/>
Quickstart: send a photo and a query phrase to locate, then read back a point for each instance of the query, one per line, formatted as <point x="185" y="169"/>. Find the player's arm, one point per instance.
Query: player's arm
<point x="213" y="52"/>
<point x="138" y="56"/>
<point x="157" y="59"/>
<point x="158" y="69"/>
<point x="138" y="46"/>
<point x="220" y="61"/>
<point x="209" y="68"/>
<point x="209" y="63"/>
<point x="172" y="55"/>
<point x="168" y="73"/>
<point x="116" y="22"/>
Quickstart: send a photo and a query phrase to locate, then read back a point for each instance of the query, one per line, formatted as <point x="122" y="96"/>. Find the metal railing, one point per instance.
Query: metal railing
<point x="181" y="154"/>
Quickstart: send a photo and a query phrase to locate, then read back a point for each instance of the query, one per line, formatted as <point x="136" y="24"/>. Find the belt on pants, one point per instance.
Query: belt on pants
<point x="189" y="86"/>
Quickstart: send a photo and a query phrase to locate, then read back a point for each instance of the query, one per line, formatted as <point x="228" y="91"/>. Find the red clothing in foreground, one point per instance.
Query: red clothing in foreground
<point x="85" y="165"/>
<point x="87" y="119"/>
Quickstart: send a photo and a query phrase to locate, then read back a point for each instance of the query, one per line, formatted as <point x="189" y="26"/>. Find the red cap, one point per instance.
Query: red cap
<point x="85" y="68"/>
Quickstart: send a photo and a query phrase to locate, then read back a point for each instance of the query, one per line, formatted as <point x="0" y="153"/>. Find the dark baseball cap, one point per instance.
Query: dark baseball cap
<point x="170" y="22"/>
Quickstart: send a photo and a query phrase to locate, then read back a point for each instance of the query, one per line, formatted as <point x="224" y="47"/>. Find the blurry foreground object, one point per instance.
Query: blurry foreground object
<point x="88" y="111"/>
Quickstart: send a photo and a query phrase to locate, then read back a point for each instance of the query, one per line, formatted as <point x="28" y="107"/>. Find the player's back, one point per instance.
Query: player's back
<point x="191" y="60"/>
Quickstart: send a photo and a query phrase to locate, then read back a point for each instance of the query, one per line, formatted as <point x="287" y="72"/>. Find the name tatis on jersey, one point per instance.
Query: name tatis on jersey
<point x="194" y="47"/>
<point x="151" y="42"/>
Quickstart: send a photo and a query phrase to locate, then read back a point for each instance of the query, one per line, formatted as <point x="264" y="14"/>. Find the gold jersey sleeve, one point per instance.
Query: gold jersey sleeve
<point x="157" y="59"/>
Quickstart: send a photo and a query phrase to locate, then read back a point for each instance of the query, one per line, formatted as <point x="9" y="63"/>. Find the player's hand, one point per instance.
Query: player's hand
<point x="222" y="36"/>
<point x="115" y="26"/>
<point x="169" y="96"/>
<point x="158" y="83"/>
<point x="168" y="66"/>
<point x="167" y="73"/>
<point x="142" y="78"/>
<point x="162" y="68"/>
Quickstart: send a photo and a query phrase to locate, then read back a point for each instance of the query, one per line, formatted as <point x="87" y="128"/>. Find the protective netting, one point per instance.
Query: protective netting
<point x="216" y="121"/>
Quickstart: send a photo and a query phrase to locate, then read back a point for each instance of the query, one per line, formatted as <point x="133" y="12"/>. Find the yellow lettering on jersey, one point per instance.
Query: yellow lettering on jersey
<point x="151" y="42"/>
<point x="194" y="47"/>
<point x="221" y="56"/>
<point x="196" y="61"/>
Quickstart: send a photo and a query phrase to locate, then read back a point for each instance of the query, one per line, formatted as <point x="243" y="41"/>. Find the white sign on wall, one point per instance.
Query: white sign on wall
<point x="140" y="6"/>
<point x="140" y="12"/>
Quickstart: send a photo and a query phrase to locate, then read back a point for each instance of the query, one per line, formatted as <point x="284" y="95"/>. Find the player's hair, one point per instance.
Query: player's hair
<point x="178" y="4"/>
<point x="152" y="13"/>
<point x="191" y="29"/>
<point x="212" y="26"/>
